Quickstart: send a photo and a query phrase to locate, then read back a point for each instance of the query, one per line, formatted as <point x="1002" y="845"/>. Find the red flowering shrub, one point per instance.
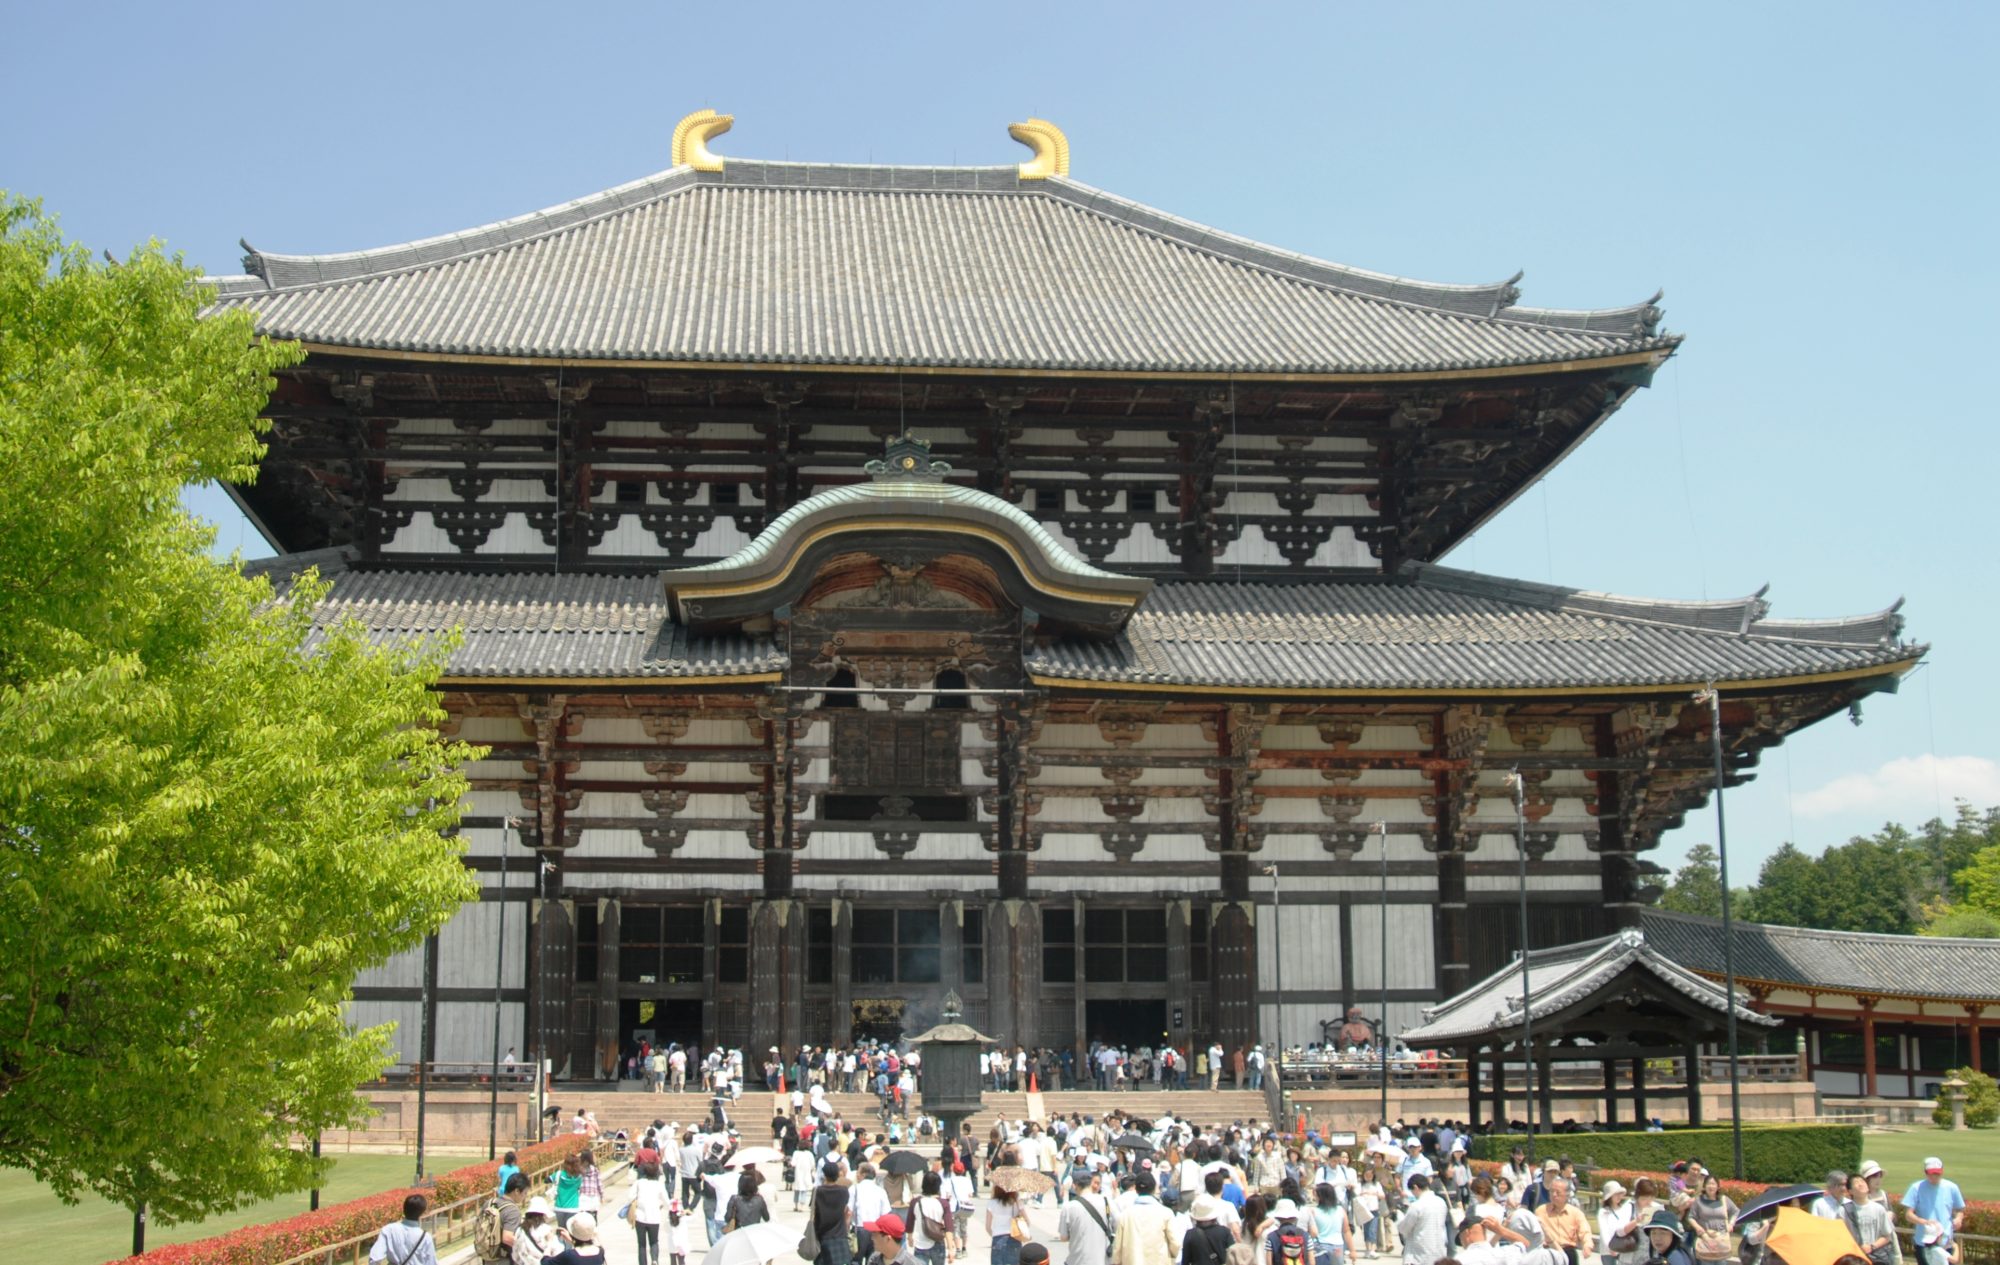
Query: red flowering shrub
<point x="294" y="1236"/>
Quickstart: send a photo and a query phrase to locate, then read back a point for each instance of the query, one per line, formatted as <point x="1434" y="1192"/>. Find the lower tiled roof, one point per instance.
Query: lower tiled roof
<point x="1833" y="961"/>
<point x="1429" y="628"/>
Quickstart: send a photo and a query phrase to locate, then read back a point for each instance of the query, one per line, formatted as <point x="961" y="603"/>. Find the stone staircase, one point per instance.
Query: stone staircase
<point x="752" y="1114"/>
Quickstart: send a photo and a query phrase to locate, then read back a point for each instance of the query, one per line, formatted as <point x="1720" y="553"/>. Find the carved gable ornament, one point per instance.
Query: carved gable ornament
<point x="907" y="515"/>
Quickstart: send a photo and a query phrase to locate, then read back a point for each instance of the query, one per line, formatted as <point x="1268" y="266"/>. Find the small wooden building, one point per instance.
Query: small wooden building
<point x="1874" y="1015"/>
<point x="1140" y="595"/>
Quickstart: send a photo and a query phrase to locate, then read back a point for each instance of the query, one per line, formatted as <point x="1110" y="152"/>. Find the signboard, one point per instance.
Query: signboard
<point x="1340" y="1139"/>
<point x="1180" y="1018"/>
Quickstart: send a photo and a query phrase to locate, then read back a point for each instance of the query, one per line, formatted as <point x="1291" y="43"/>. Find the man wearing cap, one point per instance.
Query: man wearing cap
<point x="1087" y="1222"/>
<point x="1937" y="1209"/>
<point x="889" y="1240"/>
<point x="1536" y="1192"/>
<point x="1414" y="1163"/>
<point x="1423" y="1227"/>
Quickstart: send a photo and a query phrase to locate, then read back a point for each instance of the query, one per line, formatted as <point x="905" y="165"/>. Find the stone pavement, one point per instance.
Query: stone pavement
<point x="621" y="1245"/>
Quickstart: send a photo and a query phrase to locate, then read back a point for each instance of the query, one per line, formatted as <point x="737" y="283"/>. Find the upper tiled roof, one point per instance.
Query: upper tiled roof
<point x="806" y="264"/>
<point x="1434" y="627"/>
<point x="1834" y="961"/>
<point x="1431" y="628"/>
<point x="1560" y="978"/>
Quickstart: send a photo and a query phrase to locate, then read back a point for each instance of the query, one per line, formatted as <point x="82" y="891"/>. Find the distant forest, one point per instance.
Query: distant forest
<point x="1940" y="879"/>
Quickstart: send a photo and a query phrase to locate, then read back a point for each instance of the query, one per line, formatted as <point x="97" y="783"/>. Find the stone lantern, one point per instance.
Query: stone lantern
<point x="1954" y="1093"/>
<point x="952" y="1075"/>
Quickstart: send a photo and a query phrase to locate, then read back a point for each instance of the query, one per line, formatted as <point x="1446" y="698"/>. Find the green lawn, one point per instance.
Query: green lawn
<point x="1971" y="1158"/>
<point x="96" y="1231"/>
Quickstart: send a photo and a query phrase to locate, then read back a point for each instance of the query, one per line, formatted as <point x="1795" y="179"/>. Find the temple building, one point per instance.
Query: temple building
<point x="879" y="581"/>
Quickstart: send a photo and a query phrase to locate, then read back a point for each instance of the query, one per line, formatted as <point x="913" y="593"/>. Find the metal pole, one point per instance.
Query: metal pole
<point x="499" y="977"/>
<point x="139" y="1229"/>
<point x="1728" y="941"/>
<point x="1529" y="1085"/>
<point x="541" y="984"/>
<point x="1382" y="1031"/>
<point x="424" y="1048"/>
<point x="1278" y="952"/>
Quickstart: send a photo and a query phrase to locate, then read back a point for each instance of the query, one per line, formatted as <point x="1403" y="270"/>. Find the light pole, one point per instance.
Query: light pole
<point x="424" y="1045"/>
<point x="1520" y="790"/>
<point x="1381" y="829"/>
<point x="1713" y="697"/>
<point x="499" y="978"/>
<point x="1278" y="952"/>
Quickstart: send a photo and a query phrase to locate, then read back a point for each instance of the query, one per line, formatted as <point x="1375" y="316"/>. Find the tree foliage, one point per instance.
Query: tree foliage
<point x="1896" y="880"/>
<point x="212" y="817"/>
<point x="1982" y="1101"/>
<point x="1697" y="886"/>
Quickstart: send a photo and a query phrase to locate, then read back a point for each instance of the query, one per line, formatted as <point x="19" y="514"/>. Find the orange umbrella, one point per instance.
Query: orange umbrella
<point x="1803" y="1239"/>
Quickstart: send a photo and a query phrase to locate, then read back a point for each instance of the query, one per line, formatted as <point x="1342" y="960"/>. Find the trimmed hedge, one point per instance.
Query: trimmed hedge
<point x="1771" y="1152"/>
<point x="295" y="1236"/>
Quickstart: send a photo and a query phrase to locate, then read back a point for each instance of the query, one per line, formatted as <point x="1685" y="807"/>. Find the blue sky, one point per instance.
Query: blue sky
<point x="1812" y="184"/>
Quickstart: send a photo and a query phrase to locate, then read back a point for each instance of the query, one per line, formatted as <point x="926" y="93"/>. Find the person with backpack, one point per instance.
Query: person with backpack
<point x="495" y="1227"/>
<point x="406" y="1242"/>
<point x="1287" y="1242"/>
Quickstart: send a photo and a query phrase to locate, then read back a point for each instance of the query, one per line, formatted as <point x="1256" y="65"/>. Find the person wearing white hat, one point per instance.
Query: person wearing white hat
<point x="1208" y="1240"/>
<point x="583" y="1246"/>
<point x="1287" y="1243"/>
<point x="537" y="1239"/>
<point x="1936" y="1208"/>
<point x="1614" y="1217"/>
<point x="1414" y="1162"/>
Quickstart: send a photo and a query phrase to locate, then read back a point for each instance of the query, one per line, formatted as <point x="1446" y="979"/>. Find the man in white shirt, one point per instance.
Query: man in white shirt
<point x="1832" y="1202"/>
<point x="1214" y="1065"/>
<point x="1414" y="1164"/>
<point x="1144" y="1236"/>
<point x="1422" y="1227"/>
<point x="868" y="1198"/>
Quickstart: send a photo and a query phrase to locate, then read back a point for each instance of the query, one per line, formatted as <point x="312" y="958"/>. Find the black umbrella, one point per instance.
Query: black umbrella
<point x="905" y="1162"/>
<point x="1131" y="1142"/>
<point x="1773" y="1197"/>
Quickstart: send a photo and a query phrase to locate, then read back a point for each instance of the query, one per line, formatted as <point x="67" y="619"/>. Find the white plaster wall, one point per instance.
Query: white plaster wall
<point x="1309" y="940"/>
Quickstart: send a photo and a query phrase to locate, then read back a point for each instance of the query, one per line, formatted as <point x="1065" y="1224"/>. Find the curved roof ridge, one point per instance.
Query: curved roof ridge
<point x="281" y="271"/>
<point x="1635" y="318"/>
<point x="1745" y="616"/>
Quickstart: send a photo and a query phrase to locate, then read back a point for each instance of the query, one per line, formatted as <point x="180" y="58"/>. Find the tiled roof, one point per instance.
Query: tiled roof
<point x="530" y="625"/>
<point x="1834" y="961"/>
<point x="796" y="263"/>
<point x="1432" y="627"/>
<point x="1560" y="978"/>
<point x="1437" y="627"/>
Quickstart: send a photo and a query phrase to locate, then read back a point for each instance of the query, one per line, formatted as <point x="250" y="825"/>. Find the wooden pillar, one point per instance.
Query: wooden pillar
<point x="1972" y="1014"/>
<point x="1500" y="1091"/>
<point x="1078" y="978"/>
<point x="843" y="972"/>
<point x="1454" y="961"/>
<point x="777" y="976"/>
<point x="1616" y="863"/>
<point x="1014" y="972"/>
<point x="711" y="1002"/>
<point x="1611" y="1092"/>
<point x="556" y="976"/>
<point x="1232" y="940"/>
<point x="1472" y="1087"/>
<point x="1693" y="1055"/>
<point x="1545" y="1078"/>
<point x="1639" y="1091"/>
<point x="1180" y="985"/>
<point x="610" y="1040"/>
<point x="951" y="943"/>
<point x="1868" y="1046"/>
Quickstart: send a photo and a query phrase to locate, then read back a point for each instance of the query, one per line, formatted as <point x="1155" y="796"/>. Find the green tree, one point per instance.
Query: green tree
<point x="1982" y="1101"/>
<point x="1697" y="886"/>
<point x="1942" y="918"/>
<point x="212" y="817"/>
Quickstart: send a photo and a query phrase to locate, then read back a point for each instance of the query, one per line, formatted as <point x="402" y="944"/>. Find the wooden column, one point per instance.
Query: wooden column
<point x="711" y="1002"/>
<point x="777" y="976"/>
<point x="556" y="977"/>
<point x="1693" y="1057"/>
<point x="610" y="1041"/>
<point x="1972" y="1015"/>
<point x="1077" y="979"/>
<point x="1611" y="1092"/>
<point x="1616" y="862"/>
<point x="1544" y="1086"/>
<point x="1014" y="972"/>
<point x="1180" y="985"/>
<point x="1232" y="941"/>
<point x="1639" y="1091"/>
<point x="1868" y="1046"/>
<point x="1500" y="1090"/>
<point x="951" y="942"/>
<point x="843" y="971"/>
<point x="1472" y="1087"/>
<point x="1454" y="964"/>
